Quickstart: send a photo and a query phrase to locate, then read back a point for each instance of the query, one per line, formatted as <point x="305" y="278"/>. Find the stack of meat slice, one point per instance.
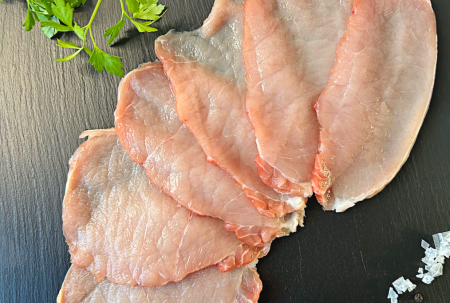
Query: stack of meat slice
<point x="217" y="148"/>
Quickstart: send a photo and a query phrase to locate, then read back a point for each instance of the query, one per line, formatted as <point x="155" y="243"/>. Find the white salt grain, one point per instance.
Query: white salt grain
<point x="400" y="285"/>
<point x="411" y="286"/>
<point x="440" y="259"/>
<point x="392" y="294"/>
<point x="425" y="244"/>
<point x="427" y="279"/>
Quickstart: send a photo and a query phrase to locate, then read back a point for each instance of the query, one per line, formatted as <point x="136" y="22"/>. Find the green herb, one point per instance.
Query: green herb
<point x="57" y="16"/>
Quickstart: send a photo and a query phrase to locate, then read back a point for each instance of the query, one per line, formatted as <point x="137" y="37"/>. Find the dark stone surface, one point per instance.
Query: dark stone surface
<point x="45" y="105"/>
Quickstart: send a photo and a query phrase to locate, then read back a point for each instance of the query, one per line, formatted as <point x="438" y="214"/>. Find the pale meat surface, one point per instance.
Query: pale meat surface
<point x="150" y="131"/>
<point x="375" y="102"/>
<point x="289" y="49"/>
<point x="120" y="226"/>
<point x="240" y="285"/>
<point x="206" y="70"/>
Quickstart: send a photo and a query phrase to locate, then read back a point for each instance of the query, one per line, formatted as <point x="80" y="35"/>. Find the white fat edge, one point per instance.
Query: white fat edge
<point x="294" y="220"/>
<point x="341" y="205"/>
<point x="98" y="133"/>
<point x="297" y="203"/>
<point x="253" y="264"/>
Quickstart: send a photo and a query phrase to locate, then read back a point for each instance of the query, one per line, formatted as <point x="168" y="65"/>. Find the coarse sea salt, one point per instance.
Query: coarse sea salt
<point x="434" y="265"/>
<point x="435" y="257"/>
<point x="400" y="285"/>
<point x="392" y="295"/>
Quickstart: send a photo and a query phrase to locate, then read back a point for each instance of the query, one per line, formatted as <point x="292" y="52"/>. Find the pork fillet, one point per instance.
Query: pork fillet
<point x="150" y="131"/>
<point x="119" y="225"/>
<point x="376" y="99"/>
<point x="206" y="70"/>
<point x="241" y="285"/>
<point x="289" y="47"/>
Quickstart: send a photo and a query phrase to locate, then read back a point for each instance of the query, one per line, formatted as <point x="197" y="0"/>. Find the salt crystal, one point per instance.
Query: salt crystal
<point x="411" y="286"/>
<point x="446" y="235"/>
<point x="431" y="253"/>
<point x="427" y="261"/>
<point x="420" y="270"/>
<point x="436" y="270"/>
<point x="440" y="259"/>
<point x="400" y="285"/>
<point x="420" y="276"/>
<point x="425" y="244"/>
<point x="437" y="239"/>
<point x="392" y="294"/>
<point x="427" y="279"/>
<point x="444" y="250"/>
<point x="394" y="300"/>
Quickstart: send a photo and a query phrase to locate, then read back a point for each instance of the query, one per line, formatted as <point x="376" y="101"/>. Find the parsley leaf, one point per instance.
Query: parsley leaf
<point x="152" y="12"/>
<point x="57" y="26"/>
<point x="29" y="21"/>
<point x="69" y="57"/>
<point x="143" y="26"/>
<point x="57" y="16"/>
<point x="79" y="32"/>
<point x="66" y="44"/>
<point x="113" y="31"/>
<point x="63" y="11"/>
<point x="99" y="59"/>
<point x="133" y="6"/>
<point x="47" y="30"/>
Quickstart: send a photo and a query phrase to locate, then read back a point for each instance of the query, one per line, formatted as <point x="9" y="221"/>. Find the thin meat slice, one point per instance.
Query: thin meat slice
<point x="150" y="131"/>
<point x="289" y="48"/>
<point x="120" y="226"/>
<point x="241" y="285"/>
<point x="206" y="70"/>
<point x="376" y="100"/>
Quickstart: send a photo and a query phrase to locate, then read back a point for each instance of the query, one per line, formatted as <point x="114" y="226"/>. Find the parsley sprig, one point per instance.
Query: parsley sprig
<point x="57" y="16"/>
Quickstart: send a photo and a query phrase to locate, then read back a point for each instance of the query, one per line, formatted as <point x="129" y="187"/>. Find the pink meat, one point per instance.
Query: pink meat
<point x="376" y="99"/>
<point x="289" y="47"/>
<point x="241" y="285"/>
<point x="206" y="70"/>
<point x="120" y="226"/>
<point x="149" y="129"/>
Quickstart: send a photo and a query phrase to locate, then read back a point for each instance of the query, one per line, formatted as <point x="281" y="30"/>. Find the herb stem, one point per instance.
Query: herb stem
<point x="123" y="10"/>
<point x="94" y="13"/>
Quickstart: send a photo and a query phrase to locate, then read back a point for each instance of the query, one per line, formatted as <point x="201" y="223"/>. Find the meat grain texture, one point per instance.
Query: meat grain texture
<point x="241" y="285"/>
<point x="289" y="48"/>
<point x="153" y="136"/>
<point x="206" y="70"/>
<point x="120" y="226"/>
<point x="376" y="100"/>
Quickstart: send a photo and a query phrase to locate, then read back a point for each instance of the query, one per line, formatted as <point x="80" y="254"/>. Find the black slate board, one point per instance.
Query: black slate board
<point x="45" y="105"/>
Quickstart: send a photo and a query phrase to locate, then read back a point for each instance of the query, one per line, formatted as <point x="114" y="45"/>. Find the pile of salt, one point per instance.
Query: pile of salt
<point x="435" y="257"/>
<point x="434" y="265"/>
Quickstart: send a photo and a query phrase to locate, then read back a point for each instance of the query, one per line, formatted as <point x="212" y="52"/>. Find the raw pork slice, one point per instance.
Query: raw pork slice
<point x="289" y="48"/>
<point x="375" y="102"/>
<point x="149" y="129"/>
<point x="119" y="225"/>
<point x="241" y="285"/>
<point x="206" y="70"/>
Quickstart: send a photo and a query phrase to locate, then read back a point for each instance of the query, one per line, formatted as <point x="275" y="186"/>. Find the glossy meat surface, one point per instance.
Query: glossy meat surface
<point x="377" y="97"/>
<point x="150" y="131"/>
<point x="120" y="226"/>
<point x="207" y="74"/>
<point x="289" y="49"/>
<point x="241" y="285"/>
